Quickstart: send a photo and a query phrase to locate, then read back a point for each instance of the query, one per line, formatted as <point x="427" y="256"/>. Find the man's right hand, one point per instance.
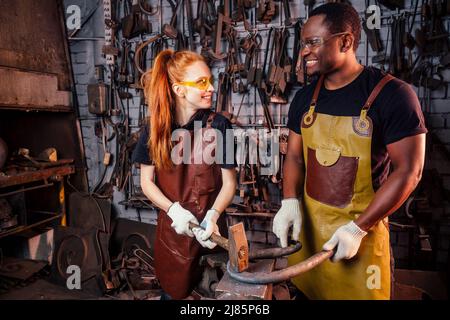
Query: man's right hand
<point x="289" y="214"/>
<point x="181" y="218"/>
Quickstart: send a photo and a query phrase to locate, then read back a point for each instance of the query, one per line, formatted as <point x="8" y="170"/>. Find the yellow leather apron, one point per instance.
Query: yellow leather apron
<point x="338" y="188"/>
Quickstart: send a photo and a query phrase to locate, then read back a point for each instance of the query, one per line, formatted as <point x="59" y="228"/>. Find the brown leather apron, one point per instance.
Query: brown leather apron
<point x="195" y="187"/>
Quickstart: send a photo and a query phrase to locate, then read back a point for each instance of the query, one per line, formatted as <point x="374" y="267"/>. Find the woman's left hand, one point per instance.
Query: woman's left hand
<point x="199" y="234"/>
<point x="209" y="223"/>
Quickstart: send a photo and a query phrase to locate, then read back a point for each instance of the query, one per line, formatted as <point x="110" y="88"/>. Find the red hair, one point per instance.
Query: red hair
<point x="169" y="67"/>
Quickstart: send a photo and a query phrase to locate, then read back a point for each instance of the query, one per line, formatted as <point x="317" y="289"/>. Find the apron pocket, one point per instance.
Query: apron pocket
<point x="331" y="184"/>
<point x="205" y="180"/>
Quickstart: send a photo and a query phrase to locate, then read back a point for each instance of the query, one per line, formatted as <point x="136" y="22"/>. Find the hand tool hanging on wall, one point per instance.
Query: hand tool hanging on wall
<point x="223" y="26"/>
<point x="98" y="93"/>
<point x="222" y="91"/>
<point x="235" y="68"/>
<point x="283" y="140"/>
<point x="373" y="36"/>
<point x="265" y="105"/>
<point x="190" y="24"/>
<point x="280" y="67"/>
<point x="170" y="29"/>
<point x="294" y="77"/>
<point x="252" y="191"/>
<point x="408" y="39"/>
<point x="246" y="45"/>
<point x="204" y="24"/>
<point x="134" y="23"/>
<point x="273" y="64"/>
<point x="427" y="75"/>
<point x="136" y="84"/>
<point x="124" y="77"/>
<point x="239" y="14"/>
<point x="266" y="11"/>
<point x="261" y="83"/>
<point x="397" y="65"/>
<point x="432" y="38"/>
<point x="288" y="19"/>
<point x="252" y="52"/>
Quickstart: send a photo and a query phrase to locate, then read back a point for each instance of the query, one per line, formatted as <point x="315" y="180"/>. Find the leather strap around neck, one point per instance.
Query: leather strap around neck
<point x="317" y="90"/>
<point x="377" y="90"/>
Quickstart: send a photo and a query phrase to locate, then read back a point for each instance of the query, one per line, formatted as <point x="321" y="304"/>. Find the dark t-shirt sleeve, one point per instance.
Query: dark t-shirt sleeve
<point x="141" y="152"/>
<point x="224" y="126"/>
<point x="296" y="111"/>
<point x="402" y="115"/>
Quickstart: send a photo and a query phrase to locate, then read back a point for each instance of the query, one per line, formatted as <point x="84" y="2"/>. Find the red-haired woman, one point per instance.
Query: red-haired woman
<point x="179" y="93"/>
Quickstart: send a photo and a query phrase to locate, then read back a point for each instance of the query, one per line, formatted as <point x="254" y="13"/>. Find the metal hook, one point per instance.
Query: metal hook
<point x="149" y="13"/>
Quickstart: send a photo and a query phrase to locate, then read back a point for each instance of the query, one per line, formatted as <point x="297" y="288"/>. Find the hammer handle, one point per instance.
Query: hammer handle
<point x="221" y="241"/>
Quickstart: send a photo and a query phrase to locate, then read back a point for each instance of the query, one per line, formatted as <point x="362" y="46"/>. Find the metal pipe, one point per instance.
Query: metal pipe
<point x="280" y="275"/>
<point x="274" y="252"/>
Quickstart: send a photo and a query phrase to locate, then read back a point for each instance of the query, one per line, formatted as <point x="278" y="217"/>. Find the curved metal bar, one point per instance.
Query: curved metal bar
<point x="280" y="275"/>
<point x="149" y="13"/>
<point x="139" y="49"/>
<point x="274" y="252"/>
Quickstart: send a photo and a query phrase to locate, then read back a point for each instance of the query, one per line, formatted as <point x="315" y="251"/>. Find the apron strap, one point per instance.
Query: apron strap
<point x="376" y="91"/>
<point x="309" y="117"/>
<point x="317" y="90"/>
<point x="363" y="125"/>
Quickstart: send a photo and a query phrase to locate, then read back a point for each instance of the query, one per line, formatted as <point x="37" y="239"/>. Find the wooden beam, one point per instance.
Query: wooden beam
<point x="31" y="90"/>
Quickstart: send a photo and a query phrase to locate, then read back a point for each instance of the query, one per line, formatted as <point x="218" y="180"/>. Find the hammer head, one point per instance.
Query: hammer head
<point x="238" y="247"/>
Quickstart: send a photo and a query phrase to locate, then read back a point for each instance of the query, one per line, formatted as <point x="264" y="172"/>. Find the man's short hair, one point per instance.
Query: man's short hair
<point x="340" y="17"/>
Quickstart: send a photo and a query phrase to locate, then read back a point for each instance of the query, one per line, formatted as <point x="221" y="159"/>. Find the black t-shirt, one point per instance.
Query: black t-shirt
<point x="395" y="113"/>
<point x="141" y="152"/>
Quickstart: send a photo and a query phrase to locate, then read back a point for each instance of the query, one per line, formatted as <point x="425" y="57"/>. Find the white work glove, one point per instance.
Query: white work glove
<point x="209" y="223"/>
<point x="181" y="218"/>
<point x="200" y="234"/>
<point x="289" y="214"/>
<point x="347" y="238"/>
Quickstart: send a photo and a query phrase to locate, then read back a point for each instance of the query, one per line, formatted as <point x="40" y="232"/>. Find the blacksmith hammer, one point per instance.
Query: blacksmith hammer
<point x="237" y="247"/>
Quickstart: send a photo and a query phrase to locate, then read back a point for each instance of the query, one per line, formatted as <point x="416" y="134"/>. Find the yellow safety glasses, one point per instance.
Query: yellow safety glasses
<point x="201" y="84"/>
<point x="318" y="41"/>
